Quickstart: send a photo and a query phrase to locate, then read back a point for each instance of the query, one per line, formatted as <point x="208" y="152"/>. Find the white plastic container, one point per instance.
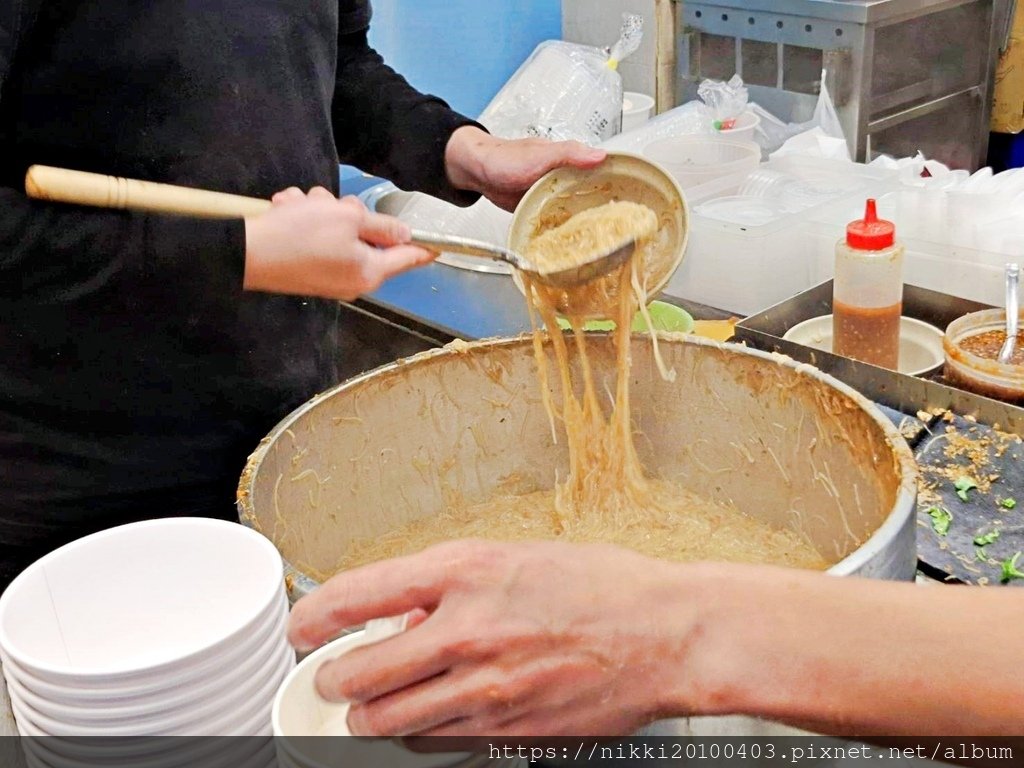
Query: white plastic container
<point x="637" y="109"/>
<point x="743" y="129"/>
<point x="696" y="160"/>
<point x="749" y="264"/>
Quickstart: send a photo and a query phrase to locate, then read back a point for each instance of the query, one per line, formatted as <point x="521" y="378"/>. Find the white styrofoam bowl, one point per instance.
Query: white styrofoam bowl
<point x="140" y="602"/>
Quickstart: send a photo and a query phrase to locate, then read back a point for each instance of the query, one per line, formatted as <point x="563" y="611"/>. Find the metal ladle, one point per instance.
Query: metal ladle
<point x="595" y="266"/>
<point x="82" y="188"/>
<point x="1012" y="313"/>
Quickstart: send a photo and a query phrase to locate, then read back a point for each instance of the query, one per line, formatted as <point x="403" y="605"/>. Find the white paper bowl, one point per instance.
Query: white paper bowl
<point x="232" y="690"/>
<point x="242" y="712"/>
<point x="177" y="753"/>
<point x="920" y="343"/>
<point x="140" y="602"/>
<point x="207" y="678"/>
<point x="300" y="712"/>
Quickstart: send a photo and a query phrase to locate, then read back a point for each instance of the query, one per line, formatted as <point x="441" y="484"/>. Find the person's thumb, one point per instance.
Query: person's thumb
<point x="389" y="262"/>
<point x="386" y="231"/>
<point x="577" y="155"/>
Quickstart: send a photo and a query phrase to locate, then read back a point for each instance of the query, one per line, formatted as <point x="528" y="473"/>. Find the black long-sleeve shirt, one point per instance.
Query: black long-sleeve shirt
<point x="135" y="373"/>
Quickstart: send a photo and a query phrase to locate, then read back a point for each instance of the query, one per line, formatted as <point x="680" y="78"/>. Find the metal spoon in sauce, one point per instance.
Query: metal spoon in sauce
<point x="600" y="264"/>
<point x="1012" y="313"/>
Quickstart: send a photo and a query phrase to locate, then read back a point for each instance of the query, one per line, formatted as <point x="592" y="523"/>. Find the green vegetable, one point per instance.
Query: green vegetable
<point x="1008" y="503"/>
<point x="988" y="538"/>
<point x="963" y="485"/>
<point x="941" y="519"/>
<point x="981" y="554"/>
<point x="1010" y="571"/>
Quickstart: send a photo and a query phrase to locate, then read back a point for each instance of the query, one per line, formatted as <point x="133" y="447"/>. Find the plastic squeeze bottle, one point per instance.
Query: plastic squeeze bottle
<point x="867" y="297"/>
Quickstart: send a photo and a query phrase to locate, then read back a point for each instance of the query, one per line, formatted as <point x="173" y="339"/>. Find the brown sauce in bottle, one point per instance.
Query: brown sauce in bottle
<point x="868" y="334"/>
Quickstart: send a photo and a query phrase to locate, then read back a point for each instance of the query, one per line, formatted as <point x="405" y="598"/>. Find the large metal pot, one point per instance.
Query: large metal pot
<point x="781" y="440"/>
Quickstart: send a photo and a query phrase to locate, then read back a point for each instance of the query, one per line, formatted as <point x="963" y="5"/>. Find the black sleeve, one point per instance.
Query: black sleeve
<point x="51" y="252"/>
<point x="385" y="126"/>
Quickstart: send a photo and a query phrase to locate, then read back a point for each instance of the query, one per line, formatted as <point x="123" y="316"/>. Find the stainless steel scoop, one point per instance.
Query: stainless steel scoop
<point x="1012" y="312"/>
<point x="600" y="264"/>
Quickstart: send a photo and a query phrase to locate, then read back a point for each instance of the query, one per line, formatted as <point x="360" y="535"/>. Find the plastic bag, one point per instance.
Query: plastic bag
<point x="690" y="118"/>
<point x="725" y="101"/>
<point x="773" y="133"/>
<point x="565" y="91"/>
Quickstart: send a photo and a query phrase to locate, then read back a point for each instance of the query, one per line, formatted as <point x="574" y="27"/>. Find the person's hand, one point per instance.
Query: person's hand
<point x="540" y="638"/>
<point x="502" y="170"/>
<point x="318" y="245"/>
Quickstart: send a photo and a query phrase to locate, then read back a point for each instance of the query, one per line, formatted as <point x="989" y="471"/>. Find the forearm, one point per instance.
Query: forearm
<point x="858" y="657"/>
<point x="51" y="252"/>
<point x="386" y="127"/>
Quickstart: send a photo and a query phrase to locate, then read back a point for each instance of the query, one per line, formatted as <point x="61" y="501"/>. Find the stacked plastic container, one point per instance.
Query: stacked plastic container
<point x="750" y="243"/>
<point x="959" y="229"/>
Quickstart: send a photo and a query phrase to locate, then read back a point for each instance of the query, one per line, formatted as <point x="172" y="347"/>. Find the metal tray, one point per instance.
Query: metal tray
<point x="907" y="394"/>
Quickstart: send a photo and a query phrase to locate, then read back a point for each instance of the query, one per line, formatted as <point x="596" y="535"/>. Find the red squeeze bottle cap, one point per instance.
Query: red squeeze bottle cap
<point x="871" y="233"/>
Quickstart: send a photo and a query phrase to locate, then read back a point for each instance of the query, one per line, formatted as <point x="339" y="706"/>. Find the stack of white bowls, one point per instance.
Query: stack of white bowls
<point x="163" y="628"/>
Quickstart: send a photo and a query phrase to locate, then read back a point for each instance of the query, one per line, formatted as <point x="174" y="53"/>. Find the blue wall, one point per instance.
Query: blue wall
<point x="461" y="50"/>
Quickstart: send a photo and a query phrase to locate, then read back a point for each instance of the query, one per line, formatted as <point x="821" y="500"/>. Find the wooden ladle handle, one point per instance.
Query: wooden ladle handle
<point x="65" y="186"/>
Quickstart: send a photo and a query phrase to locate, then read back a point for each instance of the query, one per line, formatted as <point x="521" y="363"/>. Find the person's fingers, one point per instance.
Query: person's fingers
<point x="378" y="229"/>
<point x="389" y="262"/>
<point x="435" y="703"/>
<point x="322" y="193"/>
<point x="380" y="669"/>
<point x="415" y="617"/>
<point x="388" y="588"/>
<point x="287" y="195"/>
<point x="353" y="203"/>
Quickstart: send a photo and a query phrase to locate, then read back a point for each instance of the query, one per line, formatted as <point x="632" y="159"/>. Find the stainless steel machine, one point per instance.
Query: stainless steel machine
<point x="906" y="75"/>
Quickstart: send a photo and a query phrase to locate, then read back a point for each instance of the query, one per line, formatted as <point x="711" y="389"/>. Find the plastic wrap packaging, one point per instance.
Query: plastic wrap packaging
<point x="690" y="118"/>
<point x="725" y="101"/>
<point x="565" y="91"/>
<point x="824" y="133"/>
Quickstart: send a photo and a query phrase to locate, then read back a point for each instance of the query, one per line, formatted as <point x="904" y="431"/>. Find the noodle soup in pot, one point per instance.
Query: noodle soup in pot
<point x="785" y="446"/>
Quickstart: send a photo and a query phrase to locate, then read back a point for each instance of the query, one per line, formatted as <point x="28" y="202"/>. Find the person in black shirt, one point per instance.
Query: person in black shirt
<point x="143" y="356"/>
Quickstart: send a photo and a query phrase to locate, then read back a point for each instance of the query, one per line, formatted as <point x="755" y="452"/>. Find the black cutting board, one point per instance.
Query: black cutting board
<point x="955" y="447"/>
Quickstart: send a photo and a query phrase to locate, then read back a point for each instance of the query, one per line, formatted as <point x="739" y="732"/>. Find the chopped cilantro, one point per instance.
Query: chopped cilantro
<point x="941" y="518"/>
<point x="1010" y="571"/>
<point x="963" y="485"/>
<point x="987" y="539"/>
<point x="1008" y="503"/>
